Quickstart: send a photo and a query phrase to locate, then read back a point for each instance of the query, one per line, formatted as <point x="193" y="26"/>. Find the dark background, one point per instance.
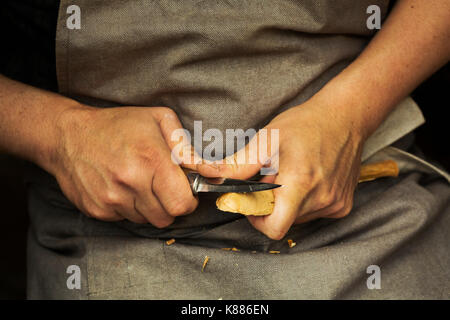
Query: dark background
<point x="29" y="57"/>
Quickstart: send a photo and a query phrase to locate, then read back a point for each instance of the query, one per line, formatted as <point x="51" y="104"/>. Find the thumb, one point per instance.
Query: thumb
<point x="257" y="154"/>
<point x="288" y="200"/>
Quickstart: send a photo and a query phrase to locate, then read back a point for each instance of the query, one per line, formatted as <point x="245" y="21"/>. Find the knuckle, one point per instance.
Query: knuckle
<point x="180" y="206"/>
<point x="168" y="113"/>
<point x="318" y="175"/>
<point x="144" y="153"/>
<point x="102" y="215"/>
<point x="315" y="176"/>
<point x="154" y="159"/>
<point x="340" y="205"/>
<point x="112" y="198"/>
<point x="345" y="210"/>
<point x="128" y="176"/>
<point x="327" y="199"/>
<point x="309" y="178"/>
<point x="276" y="233"/>
<point x="160" y="223"/>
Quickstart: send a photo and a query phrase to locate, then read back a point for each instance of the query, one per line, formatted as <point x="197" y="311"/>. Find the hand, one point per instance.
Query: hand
<point x="319" y="160"/>
<point x="115" y="163"/>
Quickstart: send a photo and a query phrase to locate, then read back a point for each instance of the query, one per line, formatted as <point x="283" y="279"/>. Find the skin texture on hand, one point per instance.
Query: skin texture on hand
<point x="319" y="167"/>
<point x="111" y="176"/>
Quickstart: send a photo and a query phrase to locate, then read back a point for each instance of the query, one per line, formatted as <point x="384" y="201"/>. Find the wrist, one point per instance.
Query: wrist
<point x="71" y="117"/>
<point x="352" y="98"/>
<point x="341" y="112"/>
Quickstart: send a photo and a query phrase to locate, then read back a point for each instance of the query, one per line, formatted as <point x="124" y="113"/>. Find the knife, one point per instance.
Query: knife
<point x="372" y="171"/>
<point x="202" y="184"/>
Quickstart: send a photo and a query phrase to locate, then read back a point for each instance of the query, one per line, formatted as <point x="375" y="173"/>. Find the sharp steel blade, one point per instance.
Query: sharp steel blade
<point x="202" y="184"/>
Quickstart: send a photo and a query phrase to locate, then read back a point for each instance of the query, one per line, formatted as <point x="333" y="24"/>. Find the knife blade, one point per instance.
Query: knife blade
<point x="202" y="184"/>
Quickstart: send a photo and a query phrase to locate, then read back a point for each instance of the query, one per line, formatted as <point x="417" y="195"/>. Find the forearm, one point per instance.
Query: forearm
<point x="412" y="44"/>
<point x="28" y="121"/>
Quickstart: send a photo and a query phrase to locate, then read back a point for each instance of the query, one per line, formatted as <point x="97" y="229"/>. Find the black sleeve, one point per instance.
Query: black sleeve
<point x="27" y="32"/>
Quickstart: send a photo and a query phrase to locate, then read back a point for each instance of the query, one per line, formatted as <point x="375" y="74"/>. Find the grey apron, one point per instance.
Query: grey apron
<point x="235" y="64"/>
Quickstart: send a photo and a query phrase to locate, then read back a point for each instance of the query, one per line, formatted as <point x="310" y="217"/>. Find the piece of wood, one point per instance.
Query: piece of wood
<point x="261" y="203"/>
<point x="258" y="203"/>
<point x="377" y="170"/>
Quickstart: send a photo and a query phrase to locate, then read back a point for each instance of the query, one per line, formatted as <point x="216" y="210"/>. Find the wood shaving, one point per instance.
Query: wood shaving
<point x="291" y="243"/>
<point x="231" y="249"/>
<point x="169" y="242"/>
<point x="205" y="262"/>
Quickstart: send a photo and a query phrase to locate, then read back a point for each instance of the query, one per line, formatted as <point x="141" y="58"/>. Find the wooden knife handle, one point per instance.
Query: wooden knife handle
<point x="372" y="171"/>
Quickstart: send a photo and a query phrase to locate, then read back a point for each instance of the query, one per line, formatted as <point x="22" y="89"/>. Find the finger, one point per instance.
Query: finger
<point x="347" y="207"/>
<point x="268" y="179"/>
<point x="337" y="209"/>
<point x="132" y="216"/>
<point x="149" y="206"/>
<point x="246" y="162"/>
<point x="108" y="216"/>
<point x="288" y="201"/>
<point x="115" y="200"/>
<point x="92" y="210"/>
<point x="138" y="184"/>
<point x="123" y="206"/>
<point x="135" y="200"/>
<point x="321" y="213"/>
<point x="349" y="193"/>
<point x="171" y="186"/>
<point x="176" y="137"/>
<point x="230" y="168"/>
<point x="169" y="183"/>
<point x="90" y="207"/>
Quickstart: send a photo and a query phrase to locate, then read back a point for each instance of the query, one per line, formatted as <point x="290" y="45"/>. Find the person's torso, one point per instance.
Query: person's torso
<point x="230" y="64"/>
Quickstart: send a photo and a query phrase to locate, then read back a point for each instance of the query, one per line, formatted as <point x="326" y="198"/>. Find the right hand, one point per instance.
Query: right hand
<point x="115" y="164"/>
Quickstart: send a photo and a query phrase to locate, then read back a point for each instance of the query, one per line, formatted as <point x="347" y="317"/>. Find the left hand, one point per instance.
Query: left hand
<point x="319" y="161"/>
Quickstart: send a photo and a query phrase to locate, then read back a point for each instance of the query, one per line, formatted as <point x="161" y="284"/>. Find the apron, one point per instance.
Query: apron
<point x="216" y="61"/>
